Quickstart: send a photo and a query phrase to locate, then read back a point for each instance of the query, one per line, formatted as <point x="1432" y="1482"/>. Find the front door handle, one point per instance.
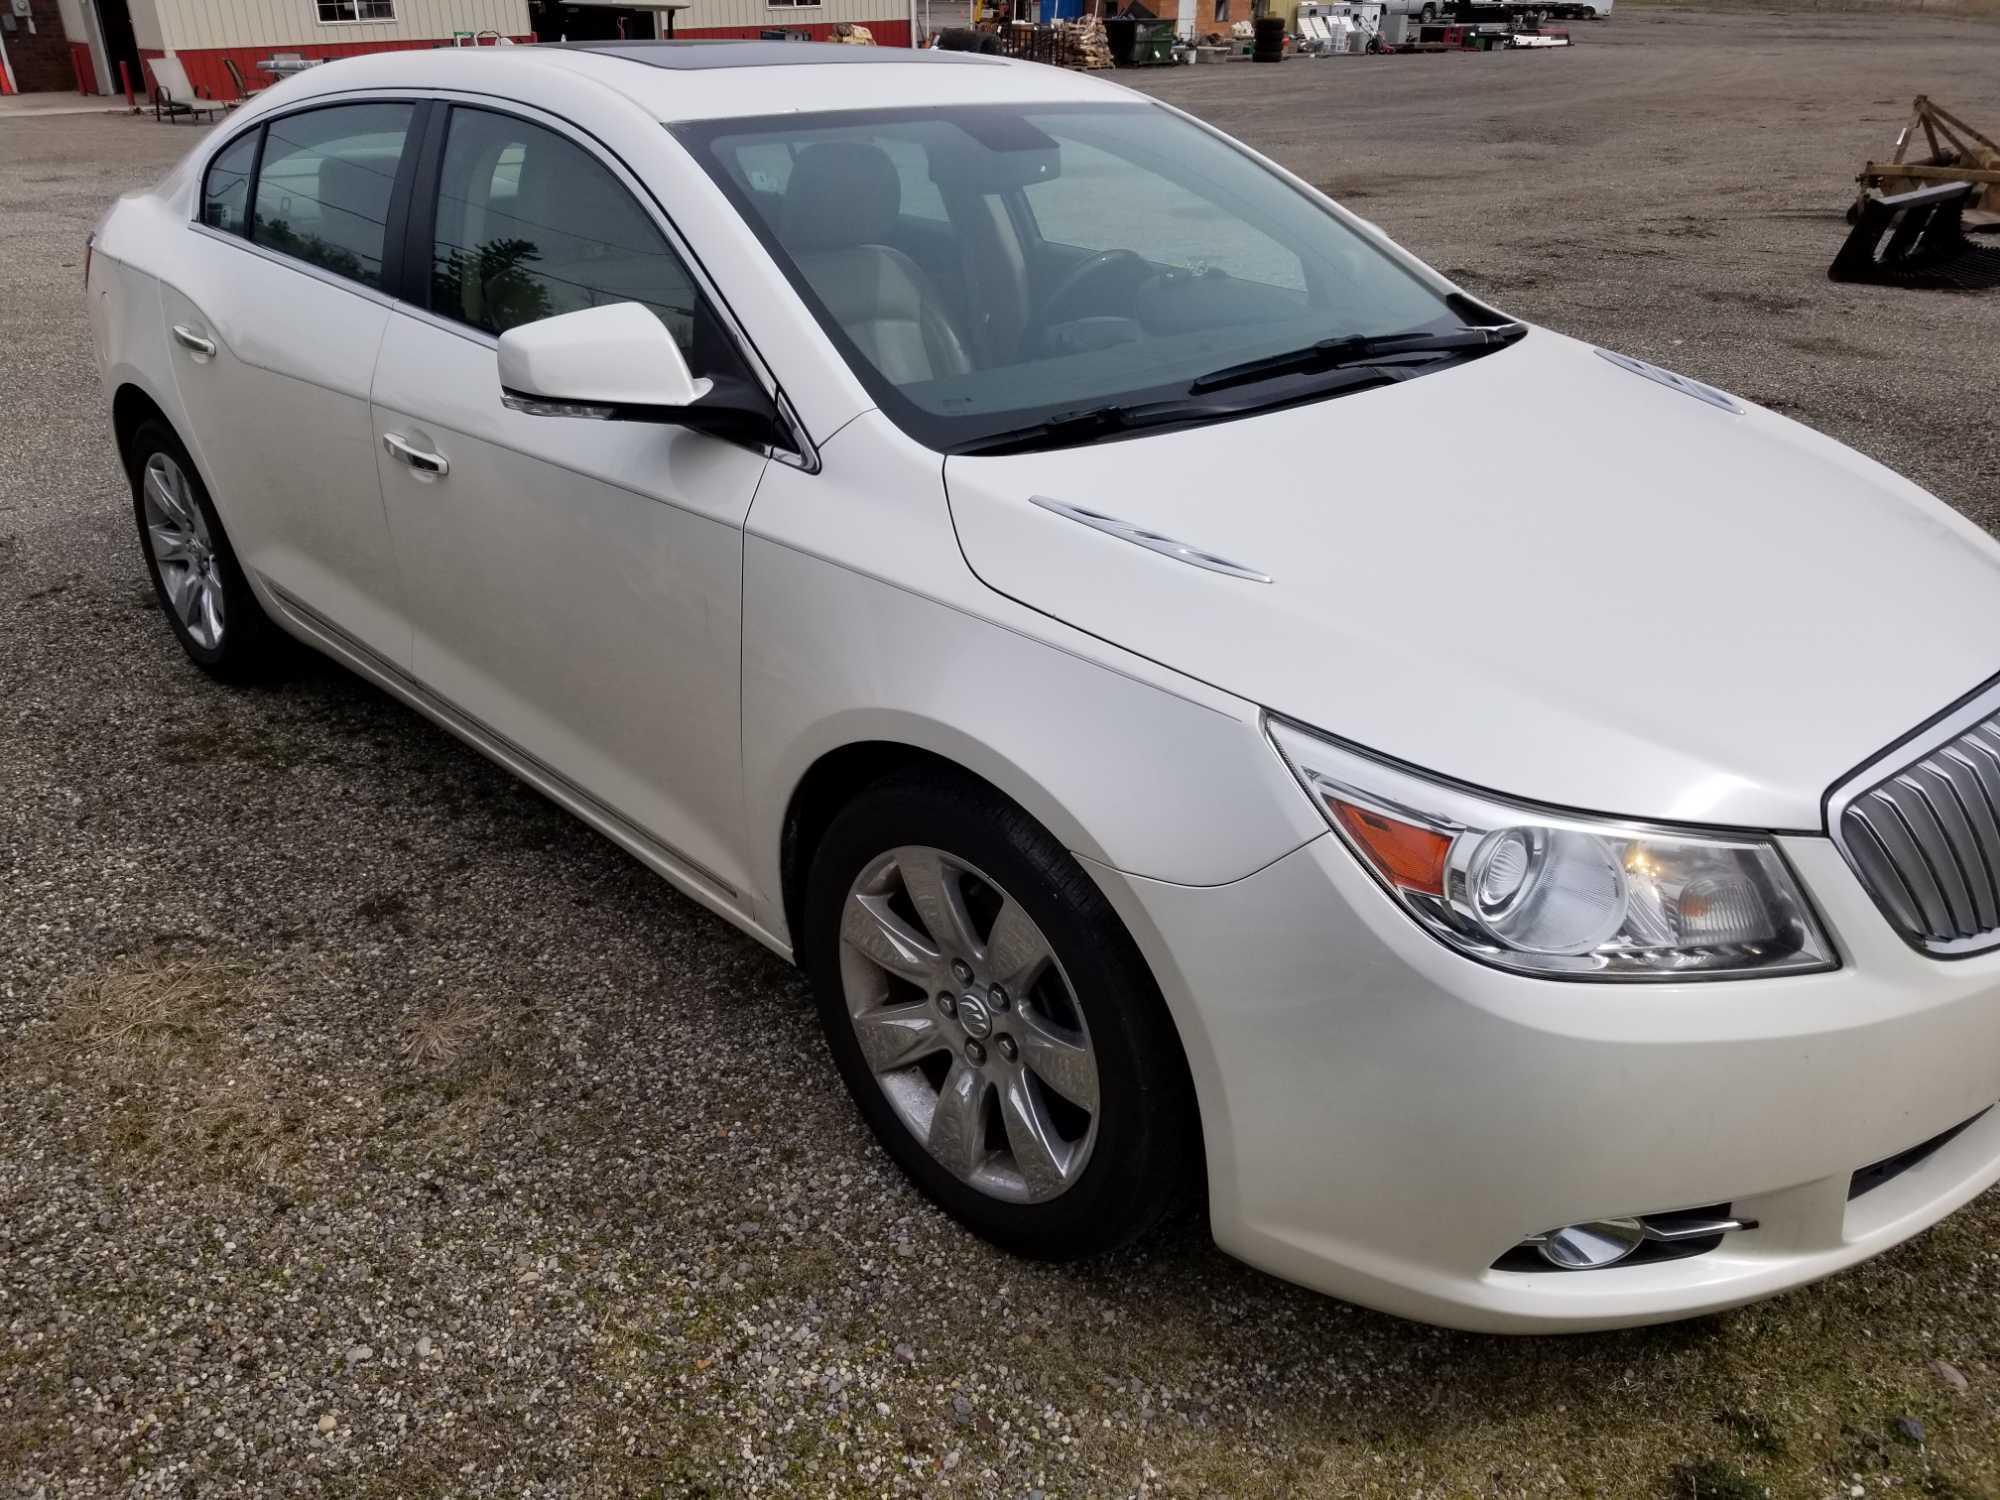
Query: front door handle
<point x="417" y="458"/>
<point x="189" y="339"/>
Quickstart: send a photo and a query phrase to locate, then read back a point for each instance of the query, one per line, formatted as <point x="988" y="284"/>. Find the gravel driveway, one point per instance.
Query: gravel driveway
<point x="372" y="1128"/>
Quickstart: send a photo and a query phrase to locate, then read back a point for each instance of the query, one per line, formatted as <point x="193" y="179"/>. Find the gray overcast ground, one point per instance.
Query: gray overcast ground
<point x="373" y="1129"/>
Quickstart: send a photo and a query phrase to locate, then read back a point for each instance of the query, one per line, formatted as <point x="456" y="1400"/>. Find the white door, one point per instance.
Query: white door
<point x="274" y="328"/>
<point x="574" y="585"/>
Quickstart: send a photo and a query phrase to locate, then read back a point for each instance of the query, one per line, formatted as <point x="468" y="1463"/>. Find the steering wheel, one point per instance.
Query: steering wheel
<point x="1079" y="274"/>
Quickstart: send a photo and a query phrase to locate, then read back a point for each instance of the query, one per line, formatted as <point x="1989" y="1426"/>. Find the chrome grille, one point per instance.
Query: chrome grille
<point x="1925" y="841"/>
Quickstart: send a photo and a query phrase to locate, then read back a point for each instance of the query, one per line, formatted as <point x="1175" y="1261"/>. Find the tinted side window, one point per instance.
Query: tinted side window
<point x="530" y="225"/>
<point x="323" y="191"/>
<point x="226" y="190"/>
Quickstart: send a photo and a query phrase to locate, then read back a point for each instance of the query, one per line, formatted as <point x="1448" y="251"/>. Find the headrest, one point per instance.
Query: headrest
<point x="841" y="193"/>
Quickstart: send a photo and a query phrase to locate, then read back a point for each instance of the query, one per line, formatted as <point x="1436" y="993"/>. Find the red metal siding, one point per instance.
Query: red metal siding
<point x="211" y="79"/>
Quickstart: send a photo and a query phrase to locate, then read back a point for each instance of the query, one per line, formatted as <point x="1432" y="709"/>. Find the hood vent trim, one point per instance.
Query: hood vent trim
<point x="1671" y="381"/>
<point x="1152" y="541"/>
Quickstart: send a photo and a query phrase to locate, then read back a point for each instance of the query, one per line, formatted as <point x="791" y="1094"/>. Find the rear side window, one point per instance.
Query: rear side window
<point x="225" y="193"/>
<point x="324" y="189"/>
<point x="530" y="226"/>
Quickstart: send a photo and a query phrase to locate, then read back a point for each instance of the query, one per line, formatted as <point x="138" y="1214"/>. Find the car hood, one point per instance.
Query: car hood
<point x="1536" y="572"/>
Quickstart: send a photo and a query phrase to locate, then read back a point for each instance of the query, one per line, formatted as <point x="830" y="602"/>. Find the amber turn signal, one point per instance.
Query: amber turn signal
<point x="1407" y="855"/>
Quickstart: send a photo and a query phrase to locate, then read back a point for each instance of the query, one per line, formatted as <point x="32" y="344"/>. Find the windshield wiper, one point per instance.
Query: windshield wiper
<point x="1360" y="349"/>
<point x="1087" y="424"/>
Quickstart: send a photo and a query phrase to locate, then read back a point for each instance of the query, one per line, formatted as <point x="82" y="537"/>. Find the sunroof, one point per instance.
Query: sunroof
<point x="725" y="53"/>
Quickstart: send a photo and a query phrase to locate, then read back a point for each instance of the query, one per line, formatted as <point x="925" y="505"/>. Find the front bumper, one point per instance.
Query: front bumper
<point x="1384" y="1118"/>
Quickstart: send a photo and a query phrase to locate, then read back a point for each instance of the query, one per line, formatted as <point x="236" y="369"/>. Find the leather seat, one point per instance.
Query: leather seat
<point x="841" y="204"/>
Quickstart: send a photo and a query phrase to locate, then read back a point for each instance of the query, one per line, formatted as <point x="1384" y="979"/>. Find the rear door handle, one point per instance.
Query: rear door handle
<point x="416" y="458"/>
<point x="189" y="339"/>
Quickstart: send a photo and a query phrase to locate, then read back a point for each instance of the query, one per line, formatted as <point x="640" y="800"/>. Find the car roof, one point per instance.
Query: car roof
<point x="691" y="80"/>
<point x="721" y="52"/>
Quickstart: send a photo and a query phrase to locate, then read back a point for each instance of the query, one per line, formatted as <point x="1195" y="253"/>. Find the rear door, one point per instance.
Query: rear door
<point x="275" y="326"/>
<point x="575" y="585"/>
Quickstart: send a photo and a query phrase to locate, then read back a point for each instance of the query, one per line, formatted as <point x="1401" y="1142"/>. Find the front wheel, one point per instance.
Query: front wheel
<point x="994" y="1021"/>
<point x="1429" y="13"/>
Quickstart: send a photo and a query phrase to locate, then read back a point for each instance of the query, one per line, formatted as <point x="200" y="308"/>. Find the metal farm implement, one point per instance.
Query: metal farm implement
<point x="1911" y="217"/>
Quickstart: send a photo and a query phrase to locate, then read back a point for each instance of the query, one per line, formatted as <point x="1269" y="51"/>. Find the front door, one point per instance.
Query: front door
<point x="574" y="585"/>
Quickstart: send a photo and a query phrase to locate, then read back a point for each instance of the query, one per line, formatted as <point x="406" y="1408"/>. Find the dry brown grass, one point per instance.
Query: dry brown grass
<point x="188" y="1064"/>
<point x="151" y="1002"/>
<point x="439" y="1039"/>
<point x="154" y="1052"/>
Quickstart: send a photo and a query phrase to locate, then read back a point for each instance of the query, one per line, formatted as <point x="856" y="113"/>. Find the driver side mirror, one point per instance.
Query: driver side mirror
<point x="618" y="363"/>
<point x="599" y="362"/>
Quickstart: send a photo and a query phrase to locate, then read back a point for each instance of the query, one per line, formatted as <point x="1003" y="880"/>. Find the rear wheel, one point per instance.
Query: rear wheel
<point x="993" y="1020"/>
<point x="201" y="587"/>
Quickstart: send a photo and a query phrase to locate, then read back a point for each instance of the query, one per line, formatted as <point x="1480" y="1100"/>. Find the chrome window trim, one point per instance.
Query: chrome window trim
<point x="806" y="457"/>
<point x="1983" y="704"/>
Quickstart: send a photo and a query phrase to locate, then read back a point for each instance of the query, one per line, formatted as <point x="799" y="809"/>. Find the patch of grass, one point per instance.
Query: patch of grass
<point x="443" y="1036"/>
<point x="1709" y="1479"/>
<point x="118" y="1011"/>
<point x="250" y="746"/>
<point x="153" y="1052"/>
<point x="1752" y="1430"/>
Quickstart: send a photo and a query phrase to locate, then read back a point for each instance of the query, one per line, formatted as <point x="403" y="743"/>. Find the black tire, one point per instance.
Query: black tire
<point x="958" y="39"/>
<point x="989" y="44"/>
<point x="250" y="647"/>
<point x="1146" y="1155"/>
<point x="1428" y="13"/>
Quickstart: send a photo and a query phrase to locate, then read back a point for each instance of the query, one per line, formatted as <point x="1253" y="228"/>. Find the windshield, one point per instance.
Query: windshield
<point x="992" y="270"/>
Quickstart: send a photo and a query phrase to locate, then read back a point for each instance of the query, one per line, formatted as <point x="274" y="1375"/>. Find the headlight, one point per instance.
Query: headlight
<point x="1548" y="893"/>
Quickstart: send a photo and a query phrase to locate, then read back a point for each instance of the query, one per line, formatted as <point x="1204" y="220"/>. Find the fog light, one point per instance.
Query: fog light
<point x="1590" y="1246"/>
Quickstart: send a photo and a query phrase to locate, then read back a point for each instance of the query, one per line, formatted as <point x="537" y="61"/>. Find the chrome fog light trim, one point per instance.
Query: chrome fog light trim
<point x="1589" y="1246"/>
<point x="1593" y="1244"/>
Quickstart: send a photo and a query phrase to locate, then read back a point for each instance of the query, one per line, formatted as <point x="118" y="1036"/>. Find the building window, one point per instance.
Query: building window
<point x="792" y="4"/>
<point x="340" y="12"/>
<point x="1221" y="12"/>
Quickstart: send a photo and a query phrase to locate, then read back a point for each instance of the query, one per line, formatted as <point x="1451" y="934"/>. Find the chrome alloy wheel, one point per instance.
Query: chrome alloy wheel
<point x="190" y="572"/>
<point x="969" y="1025"/>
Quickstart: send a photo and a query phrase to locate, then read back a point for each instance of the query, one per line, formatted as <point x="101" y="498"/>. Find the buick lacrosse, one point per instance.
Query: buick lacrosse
<point x="1132" y="634"/>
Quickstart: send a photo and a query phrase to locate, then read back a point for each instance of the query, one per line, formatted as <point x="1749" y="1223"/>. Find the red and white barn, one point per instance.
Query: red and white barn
<point x="79" y="44"/>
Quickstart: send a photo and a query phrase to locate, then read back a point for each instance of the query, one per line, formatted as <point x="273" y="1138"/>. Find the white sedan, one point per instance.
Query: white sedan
<point x="1130" y="633"/>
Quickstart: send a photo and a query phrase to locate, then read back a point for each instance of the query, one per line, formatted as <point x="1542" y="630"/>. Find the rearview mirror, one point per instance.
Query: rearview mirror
<point x="612" y="361"/>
